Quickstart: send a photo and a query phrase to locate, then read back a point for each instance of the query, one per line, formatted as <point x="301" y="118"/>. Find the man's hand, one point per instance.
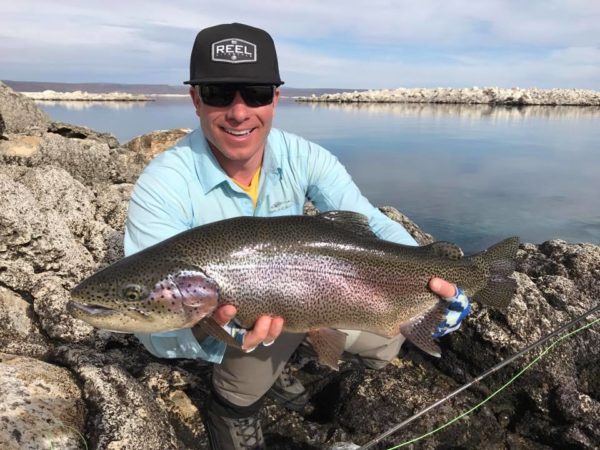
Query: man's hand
<point x="442" y="288"/>
<point x="458" y="308"/>
<point x="266" y="328"/>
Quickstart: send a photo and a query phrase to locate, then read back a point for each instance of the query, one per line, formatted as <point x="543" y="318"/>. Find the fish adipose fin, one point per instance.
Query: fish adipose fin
<point x="419" y="330"/>
<point x="210" y="327"/>
<point x="352" y="221"/>
<point x="500" y="262"/>
<point x="444" y="249"/>
<point x="329" y="345"/>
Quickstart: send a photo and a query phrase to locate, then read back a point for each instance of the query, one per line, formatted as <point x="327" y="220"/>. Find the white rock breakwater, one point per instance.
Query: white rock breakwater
<point x="474" y="95"/>
<point x="82" y="96"/>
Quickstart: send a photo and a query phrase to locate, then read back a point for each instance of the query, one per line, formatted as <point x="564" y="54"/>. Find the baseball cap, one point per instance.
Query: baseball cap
<point x="234" y="53"/>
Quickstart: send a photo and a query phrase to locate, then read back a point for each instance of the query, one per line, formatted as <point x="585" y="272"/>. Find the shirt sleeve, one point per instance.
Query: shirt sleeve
<point x="331" y="187"/>
<point x="156" y="212"/>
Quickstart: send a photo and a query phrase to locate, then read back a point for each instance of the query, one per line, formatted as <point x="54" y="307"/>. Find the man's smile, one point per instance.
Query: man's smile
<point x="238" y="132"/>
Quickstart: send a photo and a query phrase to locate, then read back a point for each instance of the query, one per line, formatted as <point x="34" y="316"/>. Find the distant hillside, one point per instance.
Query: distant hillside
<point x="96" y="88"/>
<point x="99" y="88"/>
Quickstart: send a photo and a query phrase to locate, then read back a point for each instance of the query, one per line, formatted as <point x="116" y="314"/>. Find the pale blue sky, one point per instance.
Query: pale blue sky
<point x="345" y="44"/>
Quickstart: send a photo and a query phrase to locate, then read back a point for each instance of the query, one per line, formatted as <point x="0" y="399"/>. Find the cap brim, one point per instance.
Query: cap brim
<point x="232" y="80"/>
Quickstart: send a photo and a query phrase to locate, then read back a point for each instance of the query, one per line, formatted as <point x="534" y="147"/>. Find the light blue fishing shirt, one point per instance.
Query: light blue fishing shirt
<point x="185" y="187"/>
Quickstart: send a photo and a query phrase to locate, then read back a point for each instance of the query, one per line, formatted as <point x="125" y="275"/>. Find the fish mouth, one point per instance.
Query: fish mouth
<point x="95" y="310"/>
<point x="91" y="309"/>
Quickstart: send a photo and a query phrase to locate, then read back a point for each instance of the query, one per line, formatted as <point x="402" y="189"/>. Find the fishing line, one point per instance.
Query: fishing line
<point x="484" y="375"/>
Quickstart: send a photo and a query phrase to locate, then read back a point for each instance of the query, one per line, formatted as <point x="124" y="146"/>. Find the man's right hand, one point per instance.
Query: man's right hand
<point x="265" y="330"/>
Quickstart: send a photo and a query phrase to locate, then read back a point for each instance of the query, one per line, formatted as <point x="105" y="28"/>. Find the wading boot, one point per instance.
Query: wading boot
<point x="288" y="391"/>
<point x="230" y="428"/>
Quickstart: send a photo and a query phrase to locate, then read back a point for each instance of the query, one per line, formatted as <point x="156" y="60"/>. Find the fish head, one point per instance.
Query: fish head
<point x="129" y="298"/>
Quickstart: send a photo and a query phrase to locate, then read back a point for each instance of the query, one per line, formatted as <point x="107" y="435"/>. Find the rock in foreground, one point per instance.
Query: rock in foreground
<point x="40" y="405"/>
<point x="63" y="200"/>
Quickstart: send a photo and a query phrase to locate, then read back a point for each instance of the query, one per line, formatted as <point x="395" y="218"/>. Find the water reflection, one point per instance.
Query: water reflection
<point x="83" y="105"/>
<point x="430" y="110"/>
<point x="471" y="174"/>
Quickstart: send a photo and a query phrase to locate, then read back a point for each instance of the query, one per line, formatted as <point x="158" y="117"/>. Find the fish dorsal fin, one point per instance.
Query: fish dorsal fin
<point x="352" y="221"/>
<point x="443" y="249"/>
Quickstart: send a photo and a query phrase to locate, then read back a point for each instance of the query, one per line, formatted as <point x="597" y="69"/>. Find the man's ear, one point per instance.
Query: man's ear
<point x="276" y="96"/>
<point x="195" y="97"/>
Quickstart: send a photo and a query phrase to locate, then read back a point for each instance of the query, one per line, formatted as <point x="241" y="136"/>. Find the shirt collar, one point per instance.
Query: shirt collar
<point x="209" y="171"/>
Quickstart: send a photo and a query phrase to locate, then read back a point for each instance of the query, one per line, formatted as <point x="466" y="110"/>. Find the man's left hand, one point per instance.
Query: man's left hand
<point x="265" y="330"/>
<point x="458" y="308"/>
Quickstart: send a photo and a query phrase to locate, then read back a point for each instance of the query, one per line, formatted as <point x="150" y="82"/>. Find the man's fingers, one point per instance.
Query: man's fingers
<point x="224" y="314"/>
<point x="266" y="329"/>
<point x="442" y="287"/>
<point x="258" y="333"/>
<point x="274" y="330"/>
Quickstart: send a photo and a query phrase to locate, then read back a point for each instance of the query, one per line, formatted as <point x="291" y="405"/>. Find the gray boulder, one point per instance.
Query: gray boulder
<point x="19" y="114"/>
<point x="19" y="333"/>
<point x="78" y="132"/>
<point x="127" y="415"/>
<point x="41" y="406"/>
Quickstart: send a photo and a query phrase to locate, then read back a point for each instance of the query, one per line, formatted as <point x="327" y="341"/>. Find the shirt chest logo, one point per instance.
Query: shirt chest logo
<point x="234" y="51"/>
<point x="278" y="206"/>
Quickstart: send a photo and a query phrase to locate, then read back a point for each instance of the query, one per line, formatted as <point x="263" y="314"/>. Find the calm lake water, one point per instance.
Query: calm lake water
<point x="468" y="174"/>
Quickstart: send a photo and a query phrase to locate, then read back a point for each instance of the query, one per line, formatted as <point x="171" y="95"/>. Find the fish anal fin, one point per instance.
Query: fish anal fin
<point x="328" y="345"/>
<point x="419" y="330"/>
<point x="497" y="293"/>
<point x="209" y="327"/>
<point x="352" y="221"/>
<point x="447" y="250"/>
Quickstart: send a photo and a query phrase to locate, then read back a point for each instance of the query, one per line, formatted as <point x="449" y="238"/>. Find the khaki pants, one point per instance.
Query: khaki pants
<point x="243" y="378"/>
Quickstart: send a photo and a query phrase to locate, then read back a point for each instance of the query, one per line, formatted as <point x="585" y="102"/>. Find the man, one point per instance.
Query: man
<point x="236" y="164"/>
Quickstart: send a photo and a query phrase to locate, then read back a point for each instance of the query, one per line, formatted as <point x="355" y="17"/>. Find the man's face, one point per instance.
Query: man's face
<point x="236" y="132"/>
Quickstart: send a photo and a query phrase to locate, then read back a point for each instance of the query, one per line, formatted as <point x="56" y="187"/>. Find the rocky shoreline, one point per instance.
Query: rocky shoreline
<point x="474" y="95"/>
<point x="63" y="200"/>
<point x="82" y="96"/>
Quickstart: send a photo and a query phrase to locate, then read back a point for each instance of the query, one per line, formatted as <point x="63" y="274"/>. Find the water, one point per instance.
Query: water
<point x="468" y="174"/>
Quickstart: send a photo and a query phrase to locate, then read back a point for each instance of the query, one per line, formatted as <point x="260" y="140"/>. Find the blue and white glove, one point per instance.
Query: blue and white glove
<point x="459" y="308"/>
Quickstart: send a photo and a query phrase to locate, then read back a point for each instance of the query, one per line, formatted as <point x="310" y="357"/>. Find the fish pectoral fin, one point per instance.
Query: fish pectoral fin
<point x="329" y="345"/>
<point x="209" y="327"/>
<point x="419" y="330"/>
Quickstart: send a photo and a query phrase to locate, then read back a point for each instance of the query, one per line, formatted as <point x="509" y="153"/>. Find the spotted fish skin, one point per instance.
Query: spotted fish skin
<point x="328" y="271"/>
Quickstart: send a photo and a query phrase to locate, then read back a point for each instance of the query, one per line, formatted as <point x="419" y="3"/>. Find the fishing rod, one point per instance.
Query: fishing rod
<point x="487" y="373"/>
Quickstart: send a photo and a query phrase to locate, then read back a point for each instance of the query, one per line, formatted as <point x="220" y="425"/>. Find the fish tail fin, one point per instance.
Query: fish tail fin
<point x="499" y="261"/>
<point x="420" y="330"/>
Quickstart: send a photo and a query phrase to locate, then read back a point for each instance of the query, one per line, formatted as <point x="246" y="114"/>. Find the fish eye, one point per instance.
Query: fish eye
<point x="132" y="292"/>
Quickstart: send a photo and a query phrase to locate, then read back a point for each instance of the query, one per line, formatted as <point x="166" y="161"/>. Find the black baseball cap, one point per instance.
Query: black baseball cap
<point x="234" y="53"/>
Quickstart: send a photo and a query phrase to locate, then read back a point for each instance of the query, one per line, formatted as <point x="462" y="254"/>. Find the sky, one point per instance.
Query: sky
<point x="331" y="44"/>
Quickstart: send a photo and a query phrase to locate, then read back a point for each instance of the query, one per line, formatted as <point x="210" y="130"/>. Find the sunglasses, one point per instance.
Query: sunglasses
<point x="223" y="94"/>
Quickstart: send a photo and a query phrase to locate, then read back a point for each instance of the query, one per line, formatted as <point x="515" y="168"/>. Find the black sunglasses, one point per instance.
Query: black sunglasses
<point x="223" y="94"/>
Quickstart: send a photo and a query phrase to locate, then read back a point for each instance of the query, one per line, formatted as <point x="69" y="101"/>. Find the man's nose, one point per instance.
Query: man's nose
<point x="238" y="110"/>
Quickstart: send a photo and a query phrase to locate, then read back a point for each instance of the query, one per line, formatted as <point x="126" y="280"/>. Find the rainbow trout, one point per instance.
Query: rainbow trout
<point x="319" y="273"/>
